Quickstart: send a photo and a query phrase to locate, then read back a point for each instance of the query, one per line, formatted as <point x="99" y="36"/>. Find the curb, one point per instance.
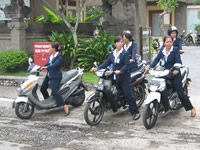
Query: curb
<point x="17" y="80"/>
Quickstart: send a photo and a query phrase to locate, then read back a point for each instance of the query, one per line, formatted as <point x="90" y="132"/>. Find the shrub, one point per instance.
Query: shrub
<point x="67" y="44"/>
<point x="13" y="60"/>
<point x="92" y="50"/>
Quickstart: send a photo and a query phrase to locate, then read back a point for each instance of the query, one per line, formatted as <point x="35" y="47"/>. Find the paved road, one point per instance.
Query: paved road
<point x="48" y="129"/>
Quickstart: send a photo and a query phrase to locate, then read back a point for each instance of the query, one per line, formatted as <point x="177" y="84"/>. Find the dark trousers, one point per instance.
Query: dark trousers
<point x="54" y="85"/>
<point x="126" y="88"/>
<point x="177" y="82"/>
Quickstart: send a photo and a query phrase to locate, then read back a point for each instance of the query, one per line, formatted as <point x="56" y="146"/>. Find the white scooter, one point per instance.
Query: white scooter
<point x="156" y="85"/>
<point x="72" y="90"/>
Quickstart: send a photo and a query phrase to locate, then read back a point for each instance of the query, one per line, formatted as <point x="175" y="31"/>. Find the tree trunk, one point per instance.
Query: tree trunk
<point x="81" y="3"/>
<point x="74" y="34"/>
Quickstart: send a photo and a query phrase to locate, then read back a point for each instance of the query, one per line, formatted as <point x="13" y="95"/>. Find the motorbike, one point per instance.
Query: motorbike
<point x="197" y="42"/>
<point x="183" y="38"/>
<point x="109" y="96"/>
<point x="156" y="44"/>
<point x="189" y="40"/>
<point x="138" y="82"/>
<point x="156" y="85"/>
<point x="71" y="88"/>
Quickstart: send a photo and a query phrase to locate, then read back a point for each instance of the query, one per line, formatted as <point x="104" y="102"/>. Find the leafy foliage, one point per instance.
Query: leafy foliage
<point x="197" y="27"/>
<point x="88" y="50"/>
<point x="13" y="60"/>
<point x="67" y="43"/>
<point x="92" y="50"/>
<point x="53" y="18"/>
<point x="168" y="5"/>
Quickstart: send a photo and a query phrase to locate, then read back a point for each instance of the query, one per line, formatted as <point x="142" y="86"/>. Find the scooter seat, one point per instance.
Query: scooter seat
<point x="68" y="75"/>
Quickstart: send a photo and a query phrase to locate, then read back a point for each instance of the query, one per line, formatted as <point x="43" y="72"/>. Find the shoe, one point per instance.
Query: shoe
<point x="136" y="116"/>
<point x="66" y="114"/>
<point x="66" y="108"/>
<point x="193" y="112"/>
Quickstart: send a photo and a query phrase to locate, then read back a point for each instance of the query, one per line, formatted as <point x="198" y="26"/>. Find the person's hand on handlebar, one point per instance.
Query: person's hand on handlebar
<point x="117" y="71"/>
<point x="175" y="72"/>
<point x="43" y="68"/>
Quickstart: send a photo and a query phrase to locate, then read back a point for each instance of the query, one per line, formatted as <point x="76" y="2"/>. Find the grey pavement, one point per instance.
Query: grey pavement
<point x="176" y="131"/>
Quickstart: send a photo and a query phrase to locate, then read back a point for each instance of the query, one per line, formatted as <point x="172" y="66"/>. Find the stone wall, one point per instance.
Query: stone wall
<point x="124" y="15"/>
<point x="39" y="33"/>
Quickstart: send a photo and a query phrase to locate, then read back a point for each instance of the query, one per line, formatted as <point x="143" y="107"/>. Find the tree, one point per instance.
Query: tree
<point x="62" y="14"/>
<point x="195" y="2"/>
<point x="167" y="6"/>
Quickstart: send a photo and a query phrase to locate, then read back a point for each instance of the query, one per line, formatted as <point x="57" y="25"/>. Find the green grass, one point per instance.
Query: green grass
<point x="90" y="77"/>
<point x="19" y="73"/>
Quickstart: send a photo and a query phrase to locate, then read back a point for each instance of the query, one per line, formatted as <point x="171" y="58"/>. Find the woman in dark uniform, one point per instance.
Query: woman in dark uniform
<point x="169" y="55"/>
<point x="131" y="47"/>
<point x="173" y="32"/>
<point x="120" y="60"/>
<point x="54" y="75"/>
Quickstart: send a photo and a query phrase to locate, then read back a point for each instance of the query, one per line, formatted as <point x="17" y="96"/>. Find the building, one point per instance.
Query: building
<point x="184" y="17"/>
<point x="4" y="3"/>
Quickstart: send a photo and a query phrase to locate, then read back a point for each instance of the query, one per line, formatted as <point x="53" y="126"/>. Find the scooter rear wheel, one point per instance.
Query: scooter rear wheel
<point x="78" y="100"/>
<point x="93" y="112"/>
<point x="24" y="110"/>
<point x="150" y="114"/>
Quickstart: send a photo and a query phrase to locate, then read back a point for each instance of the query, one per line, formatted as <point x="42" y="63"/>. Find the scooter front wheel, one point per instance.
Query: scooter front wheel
<point x="139" y="93"/>
<point x="150" y="114"/>
<point x="93" y="112"/>
<point x="24" y="110"/>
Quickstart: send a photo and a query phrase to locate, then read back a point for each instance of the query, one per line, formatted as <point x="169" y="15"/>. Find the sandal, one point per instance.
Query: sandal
<point x="66" y="109"/>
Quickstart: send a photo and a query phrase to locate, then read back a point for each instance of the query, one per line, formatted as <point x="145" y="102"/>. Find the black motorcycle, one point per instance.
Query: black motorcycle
<point x="189" y="40"/>
<point x="197" y="42"/>
<point x="183" y="37"/>
<point x="109" y="96"/>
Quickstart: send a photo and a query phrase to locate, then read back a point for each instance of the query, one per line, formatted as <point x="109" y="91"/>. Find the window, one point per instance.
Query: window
<point x="71" y="3"/>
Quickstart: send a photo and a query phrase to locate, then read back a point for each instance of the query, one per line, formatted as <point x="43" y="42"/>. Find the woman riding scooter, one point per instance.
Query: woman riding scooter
<point x="169" y="55"/>
<point x="54" y="75"/>
<point x="120" y="60"/>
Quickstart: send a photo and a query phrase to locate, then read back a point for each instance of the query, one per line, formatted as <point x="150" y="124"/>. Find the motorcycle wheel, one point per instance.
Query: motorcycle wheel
<point x="150" y="114"/>
<point x="139" y="94"/>
<point x="24" y="110"/>
<point x="93" y="112"/>
<point x="78" y="100"/>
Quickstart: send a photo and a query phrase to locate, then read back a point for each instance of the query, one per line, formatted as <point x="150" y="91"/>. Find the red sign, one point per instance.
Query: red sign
<point x="41" y="52"/>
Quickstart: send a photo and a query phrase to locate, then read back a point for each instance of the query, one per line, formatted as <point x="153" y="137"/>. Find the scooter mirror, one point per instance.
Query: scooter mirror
<point x="30" y="60"/>
<point x="95" y="63"/>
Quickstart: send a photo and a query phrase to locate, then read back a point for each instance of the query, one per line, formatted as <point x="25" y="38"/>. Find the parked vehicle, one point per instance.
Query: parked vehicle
<point x="189" y="40"/>
<point x="197" y="42"/>
<point x="156" y="85"/>
<point x="139" y="82"/>
<point x="109" y="96"/>
<point x="156" y="44"/>
<point x="183" y="37"/>
<point x="72" y="90"/>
